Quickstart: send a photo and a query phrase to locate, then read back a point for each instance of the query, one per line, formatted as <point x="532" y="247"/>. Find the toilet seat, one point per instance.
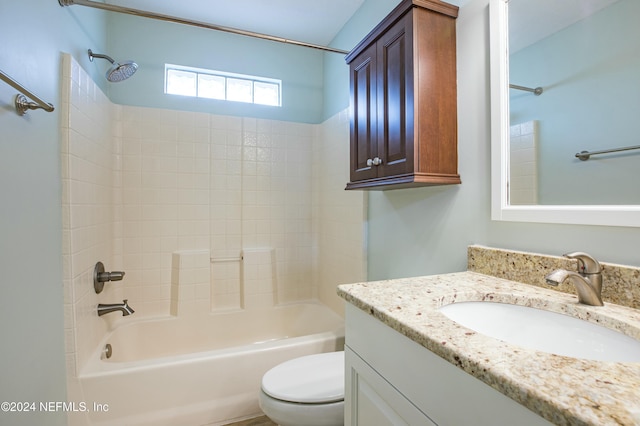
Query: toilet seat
<point x="312" y="379"/>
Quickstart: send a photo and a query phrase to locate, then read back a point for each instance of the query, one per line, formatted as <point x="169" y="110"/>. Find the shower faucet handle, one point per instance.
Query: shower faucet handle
<point x="110" y="276"/>
<point x="100" y="277"/>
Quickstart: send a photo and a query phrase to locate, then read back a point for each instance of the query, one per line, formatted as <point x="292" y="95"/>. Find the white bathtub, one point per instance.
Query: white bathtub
<point x="176" y="371"/>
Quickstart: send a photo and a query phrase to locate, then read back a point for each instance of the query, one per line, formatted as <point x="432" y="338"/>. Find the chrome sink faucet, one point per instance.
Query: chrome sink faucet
<point x="587" y="281"/>
<point x="122" y="307"/>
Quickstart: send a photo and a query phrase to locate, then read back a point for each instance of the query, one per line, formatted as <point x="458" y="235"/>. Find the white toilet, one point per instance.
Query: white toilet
<point x="305" y="391"/>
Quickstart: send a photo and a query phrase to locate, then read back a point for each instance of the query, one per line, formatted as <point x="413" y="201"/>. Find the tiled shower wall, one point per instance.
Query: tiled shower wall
<point x="87" y="159"/>
<point x="523" y="162"/>
<point x="144" y="187"/>
<point x="194" y="181"/>
<point x="165" y="199"/>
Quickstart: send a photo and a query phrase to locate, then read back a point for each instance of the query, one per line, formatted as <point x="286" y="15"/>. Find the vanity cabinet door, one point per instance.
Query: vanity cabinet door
<point x="372" y="401"/>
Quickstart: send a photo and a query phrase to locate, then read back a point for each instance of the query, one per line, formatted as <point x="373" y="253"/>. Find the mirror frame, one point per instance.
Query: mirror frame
<point x="609" y="215"/>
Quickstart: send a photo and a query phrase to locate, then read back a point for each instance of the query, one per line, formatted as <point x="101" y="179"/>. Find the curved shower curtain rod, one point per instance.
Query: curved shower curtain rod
<point x="168" y="18"/>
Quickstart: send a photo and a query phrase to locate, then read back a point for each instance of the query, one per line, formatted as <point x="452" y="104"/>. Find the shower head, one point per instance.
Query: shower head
<point x="118" y="71"/>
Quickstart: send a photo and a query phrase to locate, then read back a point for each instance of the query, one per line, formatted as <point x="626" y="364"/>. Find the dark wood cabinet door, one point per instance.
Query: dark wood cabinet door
<point x="363" y="123"/>
<point x="403" y="99"/>
<point x="395" y="99"/>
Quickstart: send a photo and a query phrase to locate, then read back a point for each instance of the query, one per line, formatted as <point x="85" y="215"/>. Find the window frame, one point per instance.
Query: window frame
<point x="226" y="76"/>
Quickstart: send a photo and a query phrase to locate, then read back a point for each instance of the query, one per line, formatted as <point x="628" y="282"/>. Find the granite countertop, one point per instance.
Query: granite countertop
<point x="563" y="390"/>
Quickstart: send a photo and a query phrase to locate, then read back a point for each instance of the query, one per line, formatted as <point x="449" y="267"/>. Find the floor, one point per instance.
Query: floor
<point x="258" y="421"/>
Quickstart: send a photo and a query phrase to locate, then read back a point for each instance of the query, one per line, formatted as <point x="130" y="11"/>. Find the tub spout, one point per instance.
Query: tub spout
<point x="122" y="307"/>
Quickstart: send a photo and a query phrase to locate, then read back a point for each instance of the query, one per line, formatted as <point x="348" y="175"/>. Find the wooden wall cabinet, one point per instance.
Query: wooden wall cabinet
<point x="404" y="100"/>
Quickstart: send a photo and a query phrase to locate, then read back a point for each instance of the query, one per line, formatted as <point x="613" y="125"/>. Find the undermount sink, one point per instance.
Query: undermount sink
<point x="544" y="331"/>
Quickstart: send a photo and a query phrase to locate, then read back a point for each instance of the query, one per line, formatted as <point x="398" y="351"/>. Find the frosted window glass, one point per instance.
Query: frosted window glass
<point x="239" y="90"/>
<point x="181" y="82"/>
<point x="211" y="86"/>
<point x="266" y="93"/>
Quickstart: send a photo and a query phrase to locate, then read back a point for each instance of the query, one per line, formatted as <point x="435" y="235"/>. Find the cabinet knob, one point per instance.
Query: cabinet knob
<point x="375" y="162"/>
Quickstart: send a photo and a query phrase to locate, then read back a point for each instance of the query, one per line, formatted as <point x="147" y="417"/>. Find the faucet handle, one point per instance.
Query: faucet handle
<point x="587" y="264"/>
<point x="100" y="277"/>
<point x="111" y="276"/>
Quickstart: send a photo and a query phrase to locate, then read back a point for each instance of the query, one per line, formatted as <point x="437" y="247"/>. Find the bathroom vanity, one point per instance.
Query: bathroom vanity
<point x="407" y="363"/>
<point x="391" y="377"/>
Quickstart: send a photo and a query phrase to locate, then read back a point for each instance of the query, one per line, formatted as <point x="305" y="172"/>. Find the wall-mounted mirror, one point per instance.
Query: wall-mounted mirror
<point x="565" y="78"/>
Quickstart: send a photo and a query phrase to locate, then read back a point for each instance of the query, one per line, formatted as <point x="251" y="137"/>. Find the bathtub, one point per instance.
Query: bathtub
<point x="177" y="371"/>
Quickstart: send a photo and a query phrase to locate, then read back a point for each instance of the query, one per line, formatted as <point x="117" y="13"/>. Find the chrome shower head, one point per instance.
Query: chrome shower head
<point x="118" y="71"/>
<point x="121" y="71"/>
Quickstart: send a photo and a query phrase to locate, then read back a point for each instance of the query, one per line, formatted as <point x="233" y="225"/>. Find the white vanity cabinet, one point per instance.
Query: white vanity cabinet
<point x="374" y="401"/>
<point x="391" y="380"/>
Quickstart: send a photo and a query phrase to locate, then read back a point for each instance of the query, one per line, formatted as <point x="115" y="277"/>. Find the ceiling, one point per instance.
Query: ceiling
<point x="311" y="21"/>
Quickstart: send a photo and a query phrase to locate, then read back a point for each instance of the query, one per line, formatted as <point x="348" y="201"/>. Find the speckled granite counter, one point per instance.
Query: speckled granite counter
<point x="565" y="391"/>
<point x="621" y="283"/>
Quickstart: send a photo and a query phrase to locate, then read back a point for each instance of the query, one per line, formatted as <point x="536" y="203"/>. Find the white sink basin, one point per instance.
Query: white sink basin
<point x="544" y="331"/>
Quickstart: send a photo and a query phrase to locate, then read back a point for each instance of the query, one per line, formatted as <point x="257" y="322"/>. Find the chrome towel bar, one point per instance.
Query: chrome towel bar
<point x="537" y="91"/>
<point x="22" y="103"/>
<point x="585" y="155"/>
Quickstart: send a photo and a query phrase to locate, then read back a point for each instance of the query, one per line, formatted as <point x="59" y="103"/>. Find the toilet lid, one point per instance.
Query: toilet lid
<point x="310" y="379"/>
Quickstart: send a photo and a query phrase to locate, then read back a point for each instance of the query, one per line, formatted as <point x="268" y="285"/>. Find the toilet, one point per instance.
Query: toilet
<point x="305" y="391"/>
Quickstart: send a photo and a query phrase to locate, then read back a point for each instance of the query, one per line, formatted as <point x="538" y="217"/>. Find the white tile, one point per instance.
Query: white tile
<point x="194" y="180"/>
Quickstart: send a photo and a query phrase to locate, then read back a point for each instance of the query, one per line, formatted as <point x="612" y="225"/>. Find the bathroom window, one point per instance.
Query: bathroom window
<point x="202" y="83"/>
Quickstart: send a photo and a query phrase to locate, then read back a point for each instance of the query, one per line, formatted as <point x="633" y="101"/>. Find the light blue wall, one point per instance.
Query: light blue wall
<point x="153" y="43"/>
<point x="426" y="231"/>
<point x="336" y="71"/>
<point x="590" y="72"/>
<point x="32" y="361"/>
